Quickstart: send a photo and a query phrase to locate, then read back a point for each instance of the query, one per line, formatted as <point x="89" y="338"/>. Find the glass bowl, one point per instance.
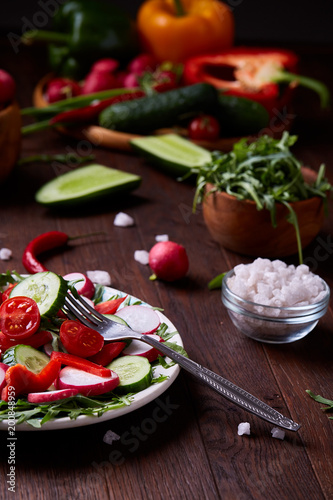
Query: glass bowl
<point x="270" y="324"/>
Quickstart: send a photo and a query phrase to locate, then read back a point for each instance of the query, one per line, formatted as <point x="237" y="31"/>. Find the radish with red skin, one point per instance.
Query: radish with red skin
<point x="84" y="286"/>
<point x="87" y="384"/>
<point x="50" y="396"/>
<point x="141" y="63"/>
<point x="3" y="369"/>
<point x="139" y="348"/>
<point x="106" y="65"/>
<point x="168" y="261"/>
<point x="142" y="319"/>
<point x="97" y="81"/>
<point x="7" y="87"/>
<point x="62" y="88"/>
<point x="131" y="81"/>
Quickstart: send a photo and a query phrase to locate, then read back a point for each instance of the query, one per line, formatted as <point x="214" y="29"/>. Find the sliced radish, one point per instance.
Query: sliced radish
<point x="84" y="287"/>
<point x="139" y="348"/>
<point x="3" y="369"/>
<point x="142" y="319"/>
<point x="49" y="396"/>
<point x="87" y="384"/>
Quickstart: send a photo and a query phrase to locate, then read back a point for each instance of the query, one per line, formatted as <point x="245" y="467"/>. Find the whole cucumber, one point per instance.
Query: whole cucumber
<point x="160" y="110"/>
<point x="240" y="116"/>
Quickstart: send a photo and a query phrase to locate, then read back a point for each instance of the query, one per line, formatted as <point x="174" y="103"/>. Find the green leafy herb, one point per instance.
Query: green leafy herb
<point x="37" y="414"/>
<point x="320" y="399"/>
<point x="264" y="171"/>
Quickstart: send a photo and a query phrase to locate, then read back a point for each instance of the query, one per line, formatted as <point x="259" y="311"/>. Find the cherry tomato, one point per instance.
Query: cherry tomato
<point x="204" y="128"/>
<point x="19" y="317"/>
<point x="79" y="339"/>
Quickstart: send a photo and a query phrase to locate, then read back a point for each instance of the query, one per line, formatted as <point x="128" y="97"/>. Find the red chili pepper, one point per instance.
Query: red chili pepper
<point x="20" y="380"/>
<point x="108" y="353"/>
<point x="80" y="364"/>
<point x="251" y="72"/>
<point x="91" y="112"/>
<point x="42" y="243"/>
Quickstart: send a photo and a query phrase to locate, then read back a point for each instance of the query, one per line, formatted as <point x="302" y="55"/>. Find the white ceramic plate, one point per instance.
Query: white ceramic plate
<point x="140" y="399"/>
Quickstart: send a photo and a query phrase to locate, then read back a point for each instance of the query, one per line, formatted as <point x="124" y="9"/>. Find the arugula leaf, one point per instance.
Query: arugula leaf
<point x="37" y="414"/>
<point x="216" y="282"/>
<point x="264" y="171"/>
<point x="322" y="400"/>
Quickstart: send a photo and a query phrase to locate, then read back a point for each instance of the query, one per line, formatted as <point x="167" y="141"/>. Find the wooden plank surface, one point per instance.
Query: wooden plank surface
<point x="184" y="445"/>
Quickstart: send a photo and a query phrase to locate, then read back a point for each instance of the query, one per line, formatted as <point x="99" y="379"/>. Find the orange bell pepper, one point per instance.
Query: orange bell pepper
<point x="173" y="30"/>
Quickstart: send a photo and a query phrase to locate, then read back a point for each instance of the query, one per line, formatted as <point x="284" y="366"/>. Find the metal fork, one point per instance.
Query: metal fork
<point x="77" y="308"/>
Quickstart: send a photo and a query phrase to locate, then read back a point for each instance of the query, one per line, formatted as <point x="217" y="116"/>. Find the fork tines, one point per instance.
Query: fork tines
<point x="78" y="308"/>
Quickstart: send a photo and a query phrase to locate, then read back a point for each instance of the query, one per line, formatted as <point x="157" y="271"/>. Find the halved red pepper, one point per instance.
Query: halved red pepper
<point x="20" y="380"/>
<point x="252" y="72"/>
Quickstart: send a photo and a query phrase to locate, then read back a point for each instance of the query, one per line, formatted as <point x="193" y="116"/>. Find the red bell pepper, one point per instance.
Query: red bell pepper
<point x="80" y="363"/>
<point x="252" y="72"/>
<point x="20" y="380"/>
<point x="109" y="306"/>
<point x="108" y="353"/>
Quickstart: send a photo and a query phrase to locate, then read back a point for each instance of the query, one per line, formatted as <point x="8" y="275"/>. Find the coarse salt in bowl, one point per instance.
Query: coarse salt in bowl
<point x="272" y="302"/>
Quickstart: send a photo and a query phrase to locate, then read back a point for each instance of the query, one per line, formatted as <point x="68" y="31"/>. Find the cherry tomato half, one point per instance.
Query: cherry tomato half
<point x="204" y="128"/>
<point x="19" y="317"/>
<point x="79" y="339"/>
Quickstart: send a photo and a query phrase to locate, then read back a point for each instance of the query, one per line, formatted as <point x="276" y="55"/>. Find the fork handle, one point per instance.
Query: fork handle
<point x="224" y="387"/>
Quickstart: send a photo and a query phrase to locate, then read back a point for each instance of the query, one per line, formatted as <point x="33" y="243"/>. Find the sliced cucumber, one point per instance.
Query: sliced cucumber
<point x="25" y="355"/>
<point x="171" y="152"/>
<point x="46" y="288"/>
<point x="134" y="372"/>
<point x="86" y="184"/>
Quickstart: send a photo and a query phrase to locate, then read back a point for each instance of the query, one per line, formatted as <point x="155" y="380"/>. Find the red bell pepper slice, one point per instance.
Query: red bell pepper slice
<point x="251" y="72"/>
<point x="80" y="363"/>
<point x="108" y="353"/>
<point x="20" y="380"/>
<point x="109" y="306"/>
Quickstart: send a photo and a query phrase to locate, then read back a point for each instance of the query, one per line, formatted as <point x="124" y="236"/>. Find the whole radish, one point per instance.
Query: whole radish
<point x="96" y="81"/>
<point x="7" y="87"/>
<point x="168" y="261"/>
<point x="106" y="65"/>
<point x="141" y="63"/>
<point x="62" y="88"/>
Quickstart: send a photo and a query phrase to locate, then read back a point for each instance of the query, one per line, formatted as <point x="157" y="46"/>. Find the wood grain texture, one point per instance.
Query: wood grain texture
<point x="184" y="445"/>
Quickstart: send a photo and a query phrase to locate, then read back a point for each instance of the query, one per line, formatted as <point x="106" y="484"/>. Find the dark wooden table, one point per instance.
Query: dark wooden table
<point x="195" y="451"/>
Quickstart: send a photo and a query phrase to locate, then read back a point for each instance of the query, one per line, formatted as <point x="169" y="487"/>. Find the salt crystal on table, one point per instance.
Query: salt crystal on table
<point x="278" y="433"/>
<point x="110" y="436"/>
<point x="243" y="428"/>
<point x="162" y="237"/>
<point x="141" y="256"/>
<point x="100" y="277"/>
<point x="123" y="220"/>
<point x="5" y="254"/>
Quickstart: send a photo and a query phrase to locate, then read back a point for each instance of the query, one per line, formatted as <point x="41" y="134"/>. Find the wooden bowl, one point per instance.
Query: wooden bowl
<point x="10" y="139"/>
<point x="238" y="226"/>
<point x="103" y="137"/>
